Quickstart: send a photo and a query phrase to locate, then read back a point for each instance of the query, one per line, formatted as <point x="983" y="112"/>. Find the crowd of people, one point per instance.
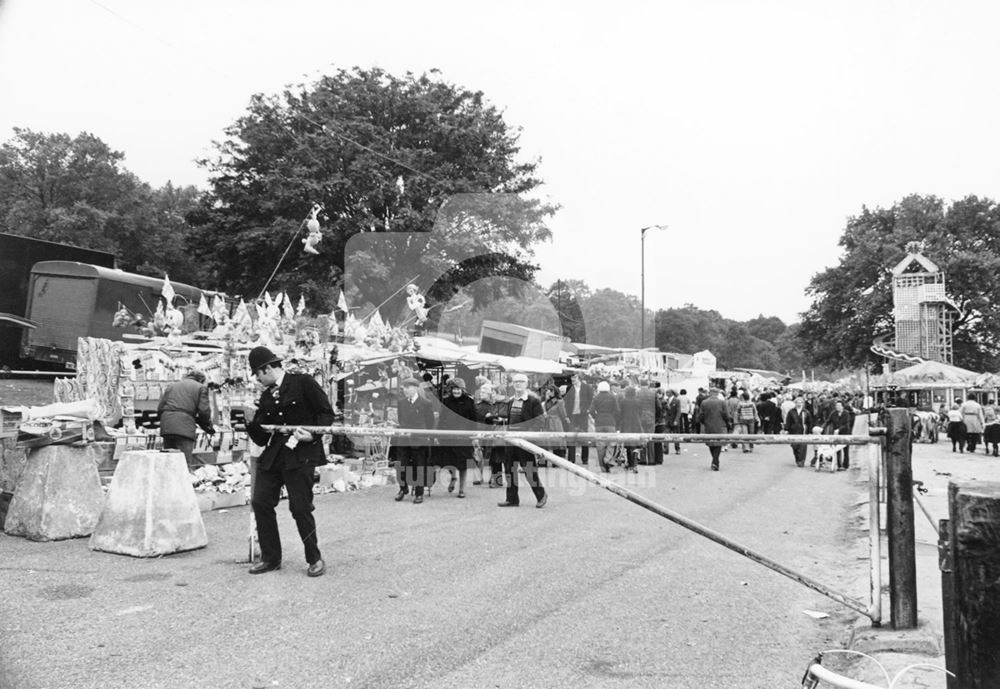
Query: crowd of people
<point x="598" y="406"/>
<point x="970" y="423"/>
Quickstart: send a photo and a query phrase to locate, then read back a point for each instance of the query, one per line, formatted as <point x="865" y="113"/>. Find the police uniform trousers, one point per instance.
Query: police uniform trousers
<point x="266" y="494"/>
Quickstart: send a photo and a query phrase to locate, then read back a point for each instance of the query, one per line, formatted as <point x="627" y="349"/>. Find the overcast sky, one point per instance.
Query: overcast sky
<point x="753" y="129"/>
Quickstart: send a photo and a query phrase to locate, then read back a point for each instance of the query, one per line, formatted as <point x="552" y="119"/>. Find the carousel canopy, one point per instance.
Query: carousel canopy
<point x="933" y="373"/>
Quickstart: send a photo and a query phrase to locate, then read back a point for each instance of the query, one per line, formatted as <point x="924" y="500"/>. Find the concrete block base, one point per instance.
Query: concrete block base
<point x="58" y="495"/>
<point x="151" y="508"/>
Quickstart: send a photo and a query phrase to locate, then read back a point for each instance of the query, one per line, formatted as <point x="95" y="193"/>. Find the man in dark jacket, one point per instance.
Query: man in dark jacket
<point x="715" y="420"/>
<point x="797" y="422"/>
<point x="523" y="412"/>
<point x="183" y="406"/>
<point x="289" y="399"/>
<point x="413" y="454"/>
<point x="577" y="401"/>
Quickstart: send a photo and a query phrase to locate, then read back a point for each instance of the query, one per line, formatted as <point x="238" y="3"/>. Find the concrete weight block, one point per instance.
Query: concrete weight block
<point x="58" y="495"/>
<point x="151" y="508"/>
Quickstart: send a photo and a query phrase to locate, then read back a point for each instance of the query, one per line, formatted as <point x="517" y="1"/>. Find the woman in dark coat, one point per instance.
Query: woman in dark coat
<point x="556" y="420"/>
<point x="458" y="413"/>
<point x="632" y="422"/>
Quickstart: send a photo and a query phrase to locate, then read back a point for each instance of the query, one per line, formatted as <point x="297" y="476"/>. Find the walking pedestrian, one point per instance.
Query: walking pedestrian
<point x="798" y="422"/>
<point x="578" y="399"/>
<point x="956" y="429"/>
<point x="183" y="408"/>
<point x="632" y="421"/>
<point x="715" y="419"/>
<point x="660" y="425"/>
<point x="413" y="455"/>
<point x="556" y="419"/>
<point x="607" y="415"/>
<point x="840" y="422"/>
<point x="458" y="413"/>
<point x="747" y="419"/>
<point x="991" y="430"/>
<point x="972" y="415"/>
<point x="523" y="412"/>
<point x="488" y="455"/>
<point x="289" y="399"/>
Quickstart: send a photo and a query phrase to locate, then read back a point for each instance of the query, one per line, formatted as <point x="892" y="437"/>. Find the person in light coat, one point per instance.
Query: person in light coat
<point x="975" y="421"/>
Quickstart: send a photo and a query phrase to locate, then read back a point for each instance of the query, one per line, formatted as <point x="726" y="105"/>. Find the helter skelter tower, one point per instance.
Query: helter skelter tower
<point x="922" y="310"/>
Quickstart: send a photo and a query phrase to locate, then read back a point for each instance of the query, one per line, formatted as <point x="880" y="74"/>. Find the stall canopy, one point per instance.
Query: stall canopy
<point x="438" y="349"/>
<point x="933" y="374"/>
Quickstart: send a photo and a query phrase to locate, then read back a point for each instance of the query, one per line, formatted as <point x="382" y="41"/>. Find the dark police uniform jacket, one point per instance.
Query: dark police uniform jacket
<point x="300" y="401"/>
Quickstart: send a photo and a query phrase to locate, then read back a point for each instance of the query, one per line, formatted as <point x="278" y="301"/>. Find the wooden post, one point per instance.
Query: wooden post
<point x="946" y="560"/>
<point x="899" y="521"/>
<point x="974" y="511"/>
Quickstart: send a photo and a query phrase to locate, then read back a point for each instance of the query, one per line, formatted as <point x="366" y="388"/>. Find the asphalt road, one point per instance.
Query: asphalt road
<point x="591" y="591"/>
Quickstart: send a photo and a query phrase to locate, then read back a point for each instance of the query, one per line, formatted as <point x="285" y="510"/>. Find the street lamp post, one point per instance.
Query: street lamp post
<point x="642" y="277"/>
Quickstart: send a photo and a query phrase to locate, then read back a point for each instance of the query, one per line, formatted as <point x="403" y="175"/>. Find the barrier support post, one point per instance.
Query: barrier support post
<point x="899" y="517"/>
<point x="974" y="512"/>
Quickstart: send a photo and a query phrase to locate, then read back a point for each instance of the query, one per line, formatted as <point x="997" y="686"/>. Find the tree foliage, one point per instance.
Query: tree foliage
<point x="75" y="190"/>
<point x="381" y="154"/>
<point x="852" y="302"/>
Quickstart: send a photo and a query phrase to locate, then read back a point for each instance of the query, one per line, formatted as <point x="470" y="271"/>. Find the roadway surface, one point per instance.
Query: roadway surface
<point x="591" y="591"/>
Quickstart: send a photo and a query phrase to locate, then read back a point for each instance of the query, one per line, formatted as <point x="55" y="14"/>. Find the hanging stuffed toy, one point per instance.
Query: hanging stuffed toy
<point x="314" y="236"/>
<point x="417" y="303"/>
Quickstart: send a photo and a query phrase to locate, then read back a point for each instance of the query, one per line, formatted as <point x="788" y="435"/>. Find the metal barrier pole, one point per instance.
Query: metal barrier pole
<point x="691" y="525"/>
<point x="875" y="534"/>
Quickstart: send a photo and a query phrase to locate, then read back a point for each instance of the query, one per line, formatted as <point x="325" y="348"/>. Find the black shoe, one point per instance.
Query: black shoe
<point x="451" y="484"/>
<point x="262" y="567"/>
<point x="715" y="467"/>
<point x="507" y="504"/>
<point x="418" y="499"/>
<point x="401" y="494"/>
<point x="541" y="503"/>
<point x="317" y="569"/>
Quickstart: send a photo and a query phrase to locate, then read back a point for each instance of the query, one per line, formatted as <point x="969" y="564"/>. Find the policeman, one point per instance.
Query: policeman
<point x="289" y="399"/>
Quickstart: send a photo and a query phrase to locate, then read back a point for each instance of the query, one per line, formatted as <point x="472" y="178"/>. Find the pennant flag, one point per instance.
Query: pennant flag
<point x="219" y="308"/>
<point x="203" y="307"/>
<point x="242" y="315"/>
<point x="342" y="303"/>
<point x="287" y="306"/>
<point x="376" y="321"/>
<point x="301" y="308"/>
<point x="168" y="290"/>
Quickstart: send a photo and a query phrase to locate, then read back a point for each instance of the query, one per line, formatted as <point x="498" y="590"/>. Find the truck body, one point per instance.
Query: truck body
<point x="17" y="256"/>
<point x="68" y="300"/>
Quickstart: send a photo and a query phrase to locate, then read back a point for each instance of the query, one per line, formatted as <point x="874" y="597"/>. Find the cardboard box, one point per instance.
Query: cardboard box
<point x="213" y="500"/>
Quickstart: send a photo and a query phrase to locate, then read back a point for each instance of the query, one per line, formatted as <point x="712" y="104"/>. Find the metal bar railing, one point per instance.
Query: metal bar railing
<point x="694" y="526"/>
<point x="524" y="438"/>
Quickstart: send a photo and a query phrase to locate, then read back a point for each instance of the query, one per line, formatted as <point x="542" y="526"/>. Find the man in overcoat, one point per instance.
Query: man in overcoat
<point x="289" y="460"/>
<point x="413" y="454"/>
<point x="715" y="420"/>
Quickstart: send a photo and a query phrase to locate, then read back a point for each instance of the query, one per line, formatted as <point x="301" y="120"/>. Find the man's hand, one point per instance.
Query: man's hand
<point x="302" y="435"/>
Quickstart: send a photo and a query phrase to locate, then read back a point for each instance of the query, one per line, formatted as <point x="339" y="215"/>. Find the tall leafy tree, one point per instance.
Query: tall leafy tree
<point x="380" y="153"/>
<point x="76" y="190"/>
<point x="852" y="302"/>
